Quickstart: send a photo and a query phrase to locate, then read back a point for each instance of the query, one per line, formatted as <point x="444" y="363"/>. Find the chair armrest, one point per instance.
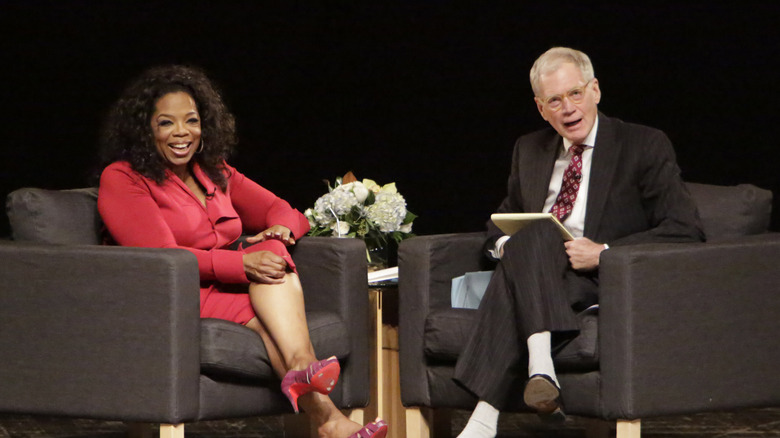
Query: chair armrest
<point x="333" y="275"/>
<point x="690" y="327"/>
<point x="427" y="265"/>
<point x="99" y="332"/>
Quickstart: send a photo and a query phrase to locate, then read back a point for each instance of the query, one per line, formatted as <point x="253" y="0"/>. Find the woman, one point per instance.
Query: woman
<point x="166" y="184"/>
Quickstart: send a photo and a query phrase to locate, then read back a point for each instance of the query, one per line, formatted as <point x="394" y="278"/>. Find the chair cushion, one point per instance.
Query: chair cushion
<point x="447" y="331"/>
<point x="229" y="350"/>
<point x="728" y="211"/>
<point x="54" y="216"/>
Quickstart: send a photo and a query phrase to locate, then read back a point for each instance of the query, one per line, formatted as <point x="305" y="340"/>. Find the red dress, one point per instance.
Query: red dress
<point x="139" y="212"/>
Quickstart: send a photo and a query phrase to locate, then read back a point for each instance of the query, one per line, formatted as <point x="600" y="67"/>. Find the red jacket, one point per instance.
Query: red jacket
<point x="139" y="212"/>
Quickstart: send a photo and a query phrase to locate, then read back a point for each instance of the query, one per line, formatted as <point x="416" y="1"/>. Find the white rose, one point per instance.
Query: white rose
<point x="310" y="216"/>
<point x="340" y="229"/>
<point x="360" y="191"/>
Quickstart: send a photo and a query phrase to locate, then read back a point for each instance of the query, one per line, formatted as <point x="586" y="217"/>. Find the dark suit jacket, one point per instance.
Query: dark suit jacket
<point x="635" y="195"/>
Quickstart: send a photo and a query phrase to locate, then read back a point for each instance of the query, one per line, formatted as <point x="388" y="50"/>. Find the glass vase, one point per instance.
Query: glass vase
<point x="381" y="255"/>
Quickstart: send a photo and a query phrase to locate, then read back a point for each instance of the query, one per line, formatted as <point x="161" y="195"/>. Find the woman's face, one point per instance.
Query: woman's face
<point x="176" y="127"/>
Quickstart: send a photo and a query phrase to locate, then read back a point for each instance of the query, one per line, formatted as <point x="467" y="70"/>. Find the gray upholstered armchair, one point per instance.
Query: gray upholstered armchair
<point x="681" y="328"/>
<point x="106" y="332"/>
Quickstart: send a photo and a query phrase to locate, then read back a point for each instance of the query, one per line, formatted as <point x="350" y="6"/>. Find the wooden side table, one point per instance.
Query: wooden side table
<point x="385" y="376"/>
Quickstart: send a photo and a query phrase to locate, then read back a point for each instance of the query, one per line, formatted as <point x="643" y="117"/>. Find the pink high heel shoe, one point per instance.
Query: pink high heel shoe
<point x="375" y="429"/>
<point x="318" y="376"/>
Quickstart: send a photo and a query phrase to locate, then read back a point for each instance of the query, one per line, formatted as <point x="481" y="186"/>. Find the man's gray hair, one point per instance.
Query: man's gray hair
<point x="552" y="59"/>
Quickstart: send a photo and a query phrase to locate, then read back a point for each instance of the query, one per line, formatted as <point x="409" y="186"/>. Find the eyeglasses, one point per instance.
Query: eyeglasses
<point x="575" y="95"/>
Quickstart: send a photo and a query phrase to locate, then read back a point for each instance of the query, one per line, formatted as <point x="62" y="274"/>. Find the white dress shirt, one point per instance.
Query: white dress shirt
<point x="575" y="222"/>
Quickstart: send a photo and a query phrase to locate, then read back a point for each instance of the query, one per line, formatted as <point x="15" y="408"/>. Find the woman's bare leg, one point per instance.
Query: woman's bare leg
<point x="280" y="310"/>
<point x="274" y="355"/>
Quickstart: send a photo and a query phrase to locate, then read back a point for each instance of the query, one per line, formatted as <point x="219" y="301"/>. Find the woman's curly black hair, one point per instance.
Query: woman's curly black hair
<point x="127" y="134"/>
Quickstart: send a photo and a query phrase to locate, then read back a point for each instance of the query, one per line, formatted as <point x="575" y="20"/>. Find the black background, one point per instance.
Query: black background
<point x="429" y="94"/>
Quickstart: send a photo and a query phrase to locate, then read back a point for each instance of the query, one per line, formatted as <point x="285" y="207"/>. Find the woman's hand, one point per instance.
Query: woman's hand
<point x="265" y="267"/>
<point x="278" y="232"/>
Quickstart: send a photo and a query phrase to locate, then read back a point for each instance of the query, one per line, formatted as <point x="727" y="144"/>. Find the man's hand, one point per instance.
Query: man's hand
<point x="265" y="267"/>
<point x="583" y="253"/>
<point x="278" y="232"/>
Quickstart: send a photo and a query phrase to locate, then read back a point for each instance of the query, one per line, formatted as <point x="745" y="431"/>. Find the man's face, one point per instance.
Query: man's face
<point x="572" y="120"/>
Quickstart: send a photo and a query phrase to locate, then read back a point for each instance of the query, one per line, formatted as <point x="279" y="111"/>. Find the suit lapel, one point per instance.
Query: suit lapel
<point x="603" y="167"/>
<point x="542" y="164"/>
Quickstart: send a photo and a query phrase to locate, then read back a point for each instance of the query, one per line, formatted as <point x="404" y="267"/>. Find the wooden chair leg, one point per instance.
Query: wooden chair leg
<point x="358" y="416"/>
<point x="172" y="431"/>
<point x="417" y="425"/>
<point x="428" y="423"/>
<point x="629" y="429"/>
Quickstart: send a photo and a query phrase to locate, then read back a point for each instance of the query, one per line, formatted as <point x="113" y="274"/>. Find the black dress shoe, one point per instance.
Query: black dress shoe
<point x="543" y="395"/>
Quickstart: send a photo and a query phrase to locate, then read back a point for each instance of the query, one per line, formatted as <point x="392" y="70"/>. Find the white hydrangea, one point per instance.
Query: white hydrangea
<point x="337" y="202"/>
<point x="388" y="212"/>
<point x="342" y="212"/>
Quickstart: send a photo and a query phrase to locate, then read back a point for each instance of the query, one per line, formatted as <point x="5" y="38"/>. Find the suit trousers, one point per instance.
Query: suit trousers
<point x="532" y="290"/>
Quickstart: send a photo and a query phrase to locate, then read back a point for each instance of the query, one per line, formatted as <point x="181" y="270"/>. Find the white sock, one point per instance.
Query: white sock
<point x="483" y="422"/>
<point x="539" y="356"/>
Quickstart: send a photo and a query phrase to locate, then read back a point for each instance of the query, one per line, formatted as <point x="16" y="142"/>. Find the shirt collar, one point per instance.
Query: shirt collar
<point x="590" y="140"/>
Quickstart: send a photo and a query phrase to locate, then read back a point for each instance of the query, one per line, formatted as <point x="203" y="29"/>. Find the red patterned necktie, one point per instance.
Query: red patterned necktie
<point x="570" y="186"/>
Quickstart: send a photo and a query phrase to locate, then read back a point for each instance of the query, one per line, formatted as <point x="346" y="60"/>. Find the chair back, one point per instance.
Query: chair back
<point x="71" y="216"/>
<point x="731" y="211"/>
<point x="68" y="217"/>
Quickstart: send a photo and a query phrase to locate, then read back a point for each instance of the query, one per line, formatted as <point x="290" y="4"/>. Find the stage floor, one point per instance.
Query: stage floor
<point x="741" y="424"/>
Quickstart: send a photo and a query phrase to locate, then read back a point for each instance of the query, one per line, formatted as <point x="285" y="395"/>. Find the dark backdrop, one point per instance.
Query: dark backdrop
<point x="429" y="94"/>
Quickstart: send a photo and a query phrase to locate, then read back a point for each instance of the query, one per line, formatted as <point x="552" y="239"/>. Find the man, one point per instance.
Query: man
<point x="610" y="183"/>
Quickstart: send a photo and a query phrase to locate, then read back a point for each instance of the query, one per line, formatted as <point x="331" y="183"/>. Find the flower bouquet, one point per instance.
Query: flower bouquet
<point x="365" y="210"/>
